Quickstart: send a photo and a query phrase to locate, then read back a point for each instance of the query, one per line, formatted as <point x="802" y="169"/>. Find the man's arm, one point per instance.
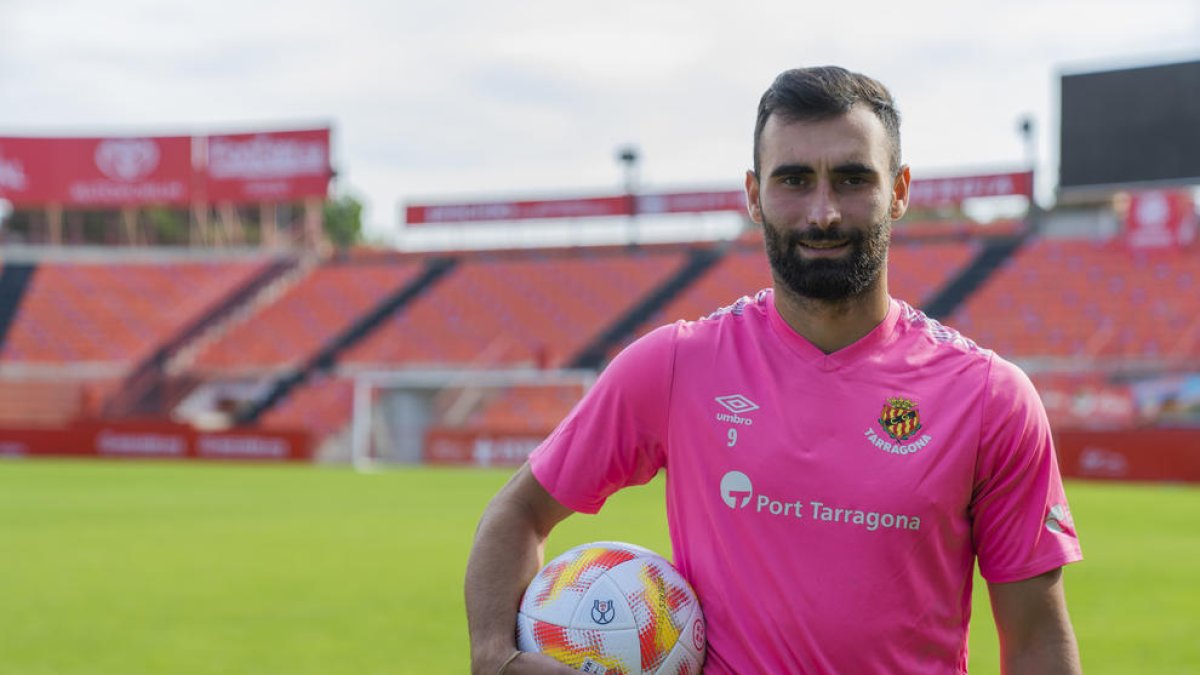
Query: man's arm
<point x="506" y="555"/>
<point x="1035" y="631"/>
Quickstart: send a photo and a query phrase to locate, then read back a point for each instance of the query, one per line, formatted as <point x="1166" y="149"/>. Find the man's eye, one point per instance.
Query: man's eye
<point x="855" y="180"/>
<point x="793" y="180"/>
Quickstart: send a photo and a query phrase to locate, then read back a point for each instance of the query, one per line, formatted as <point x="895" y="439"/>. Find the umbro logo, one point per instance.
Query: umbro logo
<point x="736" y="403"/>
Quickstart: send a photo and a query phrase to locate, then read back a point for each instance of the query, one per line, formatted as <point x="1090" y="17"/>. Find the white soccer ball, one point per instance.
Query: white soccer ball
<point x="613" y="608"/>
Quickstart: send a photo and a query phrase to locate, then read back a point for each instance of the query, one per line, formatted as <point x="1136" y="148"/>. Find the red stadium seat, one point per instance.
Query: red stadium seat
<point x="1088" y="300"/>
<point x="115" y="313"/>
<point x="295" y="326"/>
<point x="523" y="308"/>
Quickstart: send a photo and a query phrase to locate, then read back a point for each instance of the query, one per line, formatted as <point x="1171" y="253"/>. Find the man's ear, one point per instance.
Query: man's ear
<point x="752" y="202"/>
<point x="900" y="193"/>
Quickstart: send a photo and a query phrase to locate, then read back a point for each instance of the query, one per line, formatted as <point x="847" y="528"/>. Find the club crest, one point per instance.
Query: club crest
<point x="900" y="418"/>
<point x="603" y="611"/>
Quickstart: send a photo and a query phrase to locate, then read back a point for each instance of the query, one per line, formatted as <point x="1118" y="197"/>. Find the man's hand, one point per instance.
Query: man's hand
<point x="527" y="664"/>
<point x="1035" y="631"/>
<point x="506" y="555"/>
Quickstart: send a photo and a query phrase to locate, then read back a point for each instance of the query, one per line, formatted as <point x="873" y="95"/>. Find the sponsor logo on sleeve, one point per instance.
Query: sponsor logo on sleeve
<point x="1058" y="520"/>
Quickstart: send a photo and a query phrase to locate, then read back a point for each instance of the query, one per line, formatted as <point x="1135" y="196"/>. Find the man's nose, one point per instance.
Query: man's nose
<point x="823" y="211"/>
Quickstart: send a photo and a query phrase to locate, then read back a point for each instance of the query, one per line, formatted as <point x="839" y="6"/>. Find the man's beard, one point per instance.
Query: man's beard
<point x="827" y="279"/>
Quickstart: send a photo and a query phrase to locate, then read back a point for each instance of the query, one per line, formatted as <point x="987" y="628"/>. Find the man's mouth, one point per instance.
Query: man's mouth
<point x="824" y="244"/>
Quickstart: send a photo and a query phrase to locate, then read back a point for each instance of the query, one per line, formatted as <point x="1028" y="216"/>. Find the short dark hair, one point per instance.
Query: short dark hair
<point x="812" y="94"/>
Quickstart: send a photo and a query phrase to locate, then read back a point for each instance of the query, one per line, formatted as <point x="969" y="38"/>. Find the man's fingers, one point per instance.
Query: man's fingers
<point x="528" y="663"/>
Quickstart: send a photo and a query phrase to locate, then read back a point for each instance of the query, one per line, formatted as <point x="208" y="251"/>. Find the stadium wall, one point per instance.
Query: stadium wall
<point x="1130" y="454"/>
<point x="155" y="440"/>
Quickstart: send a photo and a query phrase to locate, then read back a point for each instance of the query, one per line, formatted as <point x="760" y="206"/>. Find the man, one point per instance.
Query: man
<point x="836" y="461"/>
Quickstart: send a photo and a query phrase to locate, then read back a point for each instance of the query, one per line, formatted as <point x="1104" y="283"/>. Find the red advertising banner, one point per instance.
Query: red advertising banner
<point x="583" y="207"/>
<point x="28" y="176"/>
<point x="123" y="171"/>
<point x="481" y="447"/>
<point x="692" y="202"/>
<point x="1133" y="454"/>
<point x="269" y="166"/>
<point x="1162" y="219"/>
<point x="924" y="193"/>
<point x="1088" y="405"/>
<point x="949" y="191"/>
<point x="156" y="440"/>
<point x="96" y="171"/>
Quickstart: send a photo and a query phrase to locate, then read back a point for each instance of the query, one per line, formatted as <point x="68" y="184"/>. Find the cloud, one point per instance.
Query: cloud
<point x="476" y="98"/>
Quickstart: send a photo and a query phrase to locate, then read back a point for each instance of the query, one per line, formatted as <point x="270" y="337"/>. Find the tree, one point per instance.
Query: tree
<point x="343" y="221"/>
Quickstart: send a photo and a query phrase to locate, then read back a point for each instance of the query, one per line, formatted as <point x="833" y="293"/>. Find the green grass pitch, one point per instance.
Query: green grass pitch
<point x="189" y="569"/>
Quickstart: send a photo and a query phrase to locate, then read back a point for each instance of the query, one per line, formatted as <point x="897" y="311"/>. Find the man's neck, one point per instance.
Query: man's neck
<point x="831" y="326"/>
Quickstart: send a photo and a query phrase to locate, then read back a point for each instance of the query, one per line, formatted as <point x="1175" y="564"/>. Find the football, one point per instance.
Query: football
<point x="613" y="608"/>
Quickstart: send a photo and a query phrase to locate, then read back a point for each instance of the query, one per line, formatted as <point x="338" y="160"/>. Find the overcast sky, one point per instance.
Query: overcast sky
<point x="474" y="99"/>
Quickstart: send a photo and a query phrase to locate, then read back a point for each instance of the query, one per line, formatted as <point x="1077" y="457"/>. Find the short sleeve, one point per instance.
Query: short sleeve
<point x="616" y="436"/>
<point x="1021" y="523"/>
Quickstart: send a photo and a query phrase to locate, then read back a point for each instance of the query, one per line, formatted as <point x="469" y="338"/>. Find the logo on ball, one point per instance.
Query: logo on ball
<point x="698" y="636"/>
<point x="603" y="611"/>
<point x="609" y="607"/>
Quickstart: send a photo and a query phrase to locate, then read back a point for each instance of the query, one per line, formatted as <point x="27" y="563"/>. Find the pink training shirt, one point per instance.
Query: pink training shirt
<point x="826" y="508"/>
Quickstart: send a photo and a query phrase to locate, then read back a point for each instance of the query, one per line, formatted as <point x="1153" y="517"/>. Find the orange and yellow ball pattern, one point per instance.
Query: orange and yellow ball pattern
<point x="613" y="608"/>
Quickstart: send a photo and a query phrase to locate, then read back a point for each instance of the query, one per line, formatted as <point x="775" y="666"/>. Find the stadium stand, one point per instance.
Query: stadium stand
<point x="1085" y="299"/>
<point x="535" y="407"/>
<point x="288" y="331"/>
<point x="321" y="406"/>
<point x="78" y="329"/>
<point x="1085" y="318"/>
<point x="539" y="308"/>
<point x="114" y="313"/>
<point x="14" y="278"/>
<point x="40" y="402"/>
<point x="916" y="271"/>
<point x="324" y="405"/>
<point x="518" y="308"/>
<point x="741" y="271"/>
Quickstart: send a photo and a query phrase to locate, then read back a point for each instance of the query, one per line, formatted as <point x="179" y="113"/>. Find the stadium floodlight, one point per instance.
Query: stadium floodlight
<point x="629" y="156"/>
<point x="394" y="408"/>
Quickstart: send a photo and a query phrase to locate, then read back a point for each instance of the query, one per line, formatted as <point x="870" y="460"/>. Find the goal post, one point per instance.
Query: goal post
<point x="395" y="411"/>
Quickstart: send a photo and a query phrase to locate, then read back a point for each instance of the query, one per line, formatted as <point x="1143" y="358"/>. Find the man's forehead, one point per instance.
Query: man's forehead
<point x="856" y="136"/>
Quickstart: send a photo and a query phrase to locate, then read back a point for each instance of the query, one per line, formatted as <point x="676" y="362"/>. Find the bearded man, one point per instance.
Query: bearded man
<point x="836" y="461"/>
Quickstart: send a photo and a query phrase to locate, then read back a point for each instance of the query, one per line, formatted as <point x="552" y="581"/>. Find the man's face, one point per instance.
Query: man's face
<point x="826" y="197"/>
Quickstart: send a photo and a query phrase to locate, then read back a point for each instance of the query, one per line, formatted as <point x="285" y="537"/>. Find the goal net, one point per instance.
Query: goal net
<point x="470" y="417"/>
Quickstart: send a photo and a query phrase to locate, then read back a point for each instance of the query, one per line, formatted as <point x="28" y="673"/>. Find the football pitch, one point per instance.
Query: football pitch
<point x="198" y="569"/>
